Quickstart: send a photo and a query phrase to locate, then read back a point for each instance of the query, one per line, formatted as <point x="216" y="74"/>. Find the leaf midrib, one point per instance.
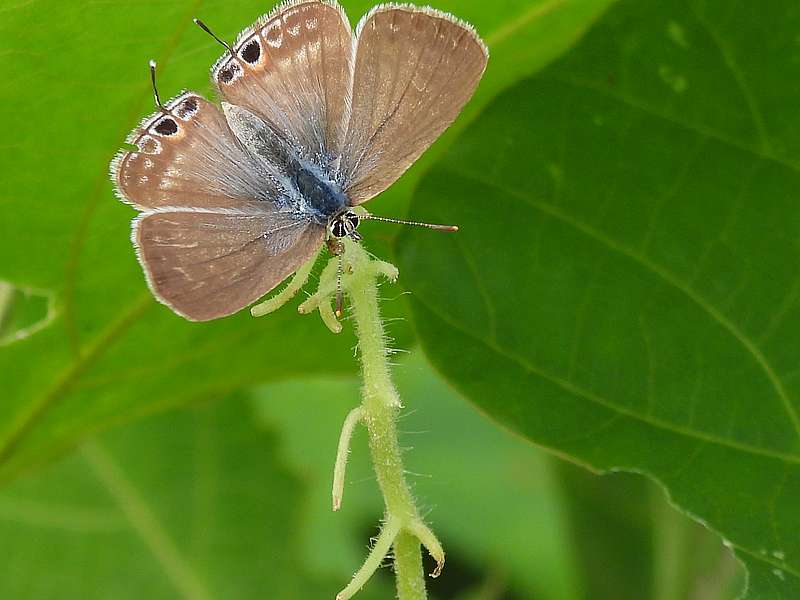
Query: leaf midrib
<point x="501" y="34"/>
<point x="28" y="418"/>
<point x="145" y="523"/>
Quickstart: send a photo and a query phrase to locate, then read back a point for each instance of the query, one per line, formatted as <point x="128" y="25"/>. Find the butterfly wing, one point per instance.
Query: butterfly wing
<point x="415" y="68"/>
<point x="214" y="235"/>
<point x="292" y="68"/>
<point x="188" y="157"/>
<point x="206" y="264"/>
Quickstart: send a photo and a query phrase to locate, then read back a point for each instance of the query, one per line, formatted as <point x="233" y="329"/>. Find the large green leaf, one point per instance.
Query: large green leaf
<point x="74" y="84"/>
<point x="626" y="285"/>
<point x="190" y="504"/>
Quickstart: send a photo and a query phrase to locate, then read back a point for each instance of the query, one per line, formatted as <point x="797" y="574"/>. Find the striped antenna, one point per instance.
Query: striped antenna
<point x="153" y="81"/>
<point x="205" y="28"/>
<point x="369" y="217"/>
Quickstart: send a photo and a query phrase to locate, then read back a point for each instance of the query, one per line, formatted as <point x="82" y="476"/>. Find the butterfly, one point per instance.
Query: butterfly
<point x="314" y="121"/>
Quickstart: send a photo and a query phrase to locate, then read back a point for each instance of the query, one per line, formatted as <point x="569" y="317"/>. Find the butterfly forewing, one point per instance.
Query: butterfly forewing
<point x="415" y="68"/>
<point x="293" y="69"/>
<point x="187" y="156"/>
<point x="206" y="264"/>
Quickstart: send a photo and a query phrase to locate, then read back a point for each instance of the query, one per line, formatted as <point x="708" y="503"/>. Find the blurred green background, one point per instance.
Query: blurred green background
<point x="623" y="297"/>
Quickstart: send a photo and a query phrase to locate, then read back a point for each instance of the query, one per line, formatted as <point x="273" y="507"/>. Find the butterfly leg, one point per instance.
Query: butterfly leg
<point x="336" y="276"/>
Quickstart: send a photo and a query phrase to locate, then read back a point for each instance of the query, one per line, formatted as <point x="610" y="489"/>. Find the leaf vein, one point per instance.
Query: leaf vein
<point x="578" y="391"/>
<point x="670" y="279"/>
<point x="695" y="128"/>
<point x="738" y="75"/>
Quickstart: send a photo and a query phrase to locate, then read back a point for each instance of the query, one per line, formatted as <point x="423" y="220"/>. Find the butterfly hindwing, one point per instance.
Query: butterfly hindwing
<point x="210" y="263"/>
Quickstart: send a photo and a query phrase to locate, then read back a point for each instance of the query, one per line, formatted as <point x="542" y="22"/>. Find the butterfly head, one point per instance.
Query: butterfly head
<point x="344" y="224"/>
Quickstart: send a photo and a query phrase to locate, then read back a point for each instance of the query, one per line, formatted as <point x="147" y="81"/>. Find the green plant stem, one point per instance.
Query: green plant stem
<point x="380" y="406"/>
<point x="403" y="529"/>
<point x="408" y="567"/>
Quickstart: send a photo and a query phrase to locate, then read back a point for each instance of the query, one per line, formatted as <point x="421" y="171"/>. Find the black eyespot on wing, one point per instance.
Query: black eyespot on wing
<point x="167" y="126"/>
<point x="228" y="72"/>
<point x="225" y="75"/>
<point x="187" y="108"/>
<point x="251" y="52"/>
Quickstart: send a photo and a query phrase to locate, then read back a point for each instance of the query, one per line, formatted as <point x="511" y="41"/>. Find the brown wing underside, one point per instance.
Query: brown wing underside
<point x="379" y="106"/>
<point x="206" y="265"/>
<point x="187" y="156"/>
<point x="414" y="71"/>
<point x="293" y="69"/>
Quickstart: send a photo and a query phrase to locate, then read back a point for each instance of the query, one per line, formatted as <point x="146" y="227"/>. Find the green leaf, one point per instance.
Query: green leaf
<point x="191" y="504"/>
<point x="75" y="82"/>
<point x="198" y="503"/>
<point x="625" y="287"/>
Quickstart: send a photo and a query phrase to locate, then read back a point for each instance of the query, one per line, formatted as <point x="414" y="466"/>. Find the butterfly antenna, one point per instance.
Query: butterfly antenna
<point x="417" y="223"/>
<point x="153" y="81"/>
<point x="205" y="28"/>
<point x="339" y="295"/>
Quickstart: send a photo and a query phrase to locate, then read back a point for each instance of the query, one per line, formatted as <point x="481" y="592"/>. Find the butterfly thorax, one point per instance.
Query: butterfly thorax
<point x="323" y="197"/>
<point x="301" y="178"/>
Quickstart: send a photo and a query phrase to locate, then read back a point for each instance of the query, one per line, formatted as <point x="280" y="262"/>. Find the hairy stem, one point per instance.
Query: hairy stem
<point x="380" y="406"/>
<point x="403" y="528"/>
<point x="408" y="567"/>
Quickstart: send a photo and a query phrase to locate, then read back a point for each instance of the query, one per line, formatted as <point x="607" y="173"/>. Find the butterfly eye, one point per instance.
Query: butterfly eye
<point x="338" y="229"/>
<point x="167" y="126"/>
<point x="251" y="52"/>
<point x="352" y="220"/>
